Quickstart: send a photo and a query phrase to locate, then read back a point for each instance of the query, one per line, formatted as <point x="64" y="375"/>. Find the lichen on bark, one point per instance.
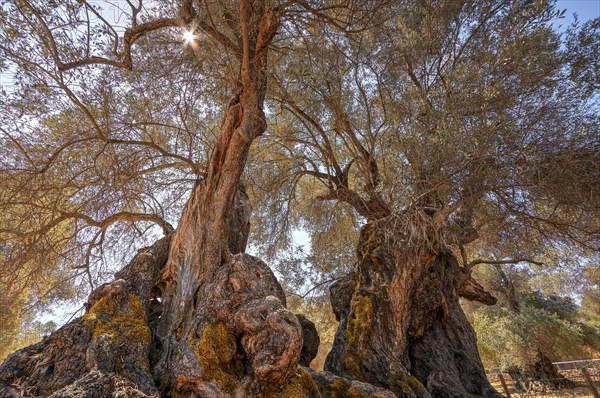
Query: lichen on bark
<point x="300" y="385"/>
<point x="403" y="328"/>
<point x="123" y="320"/>
<point x="216" y="353"/>
<point x="359" y="324"/>
<point x="106" y="352"/>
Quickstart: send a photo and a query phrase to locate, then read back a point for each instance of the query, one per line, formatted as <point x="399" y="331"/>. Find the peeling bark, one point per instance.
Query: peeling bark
<point x="218" y="319"/>
<point x="240" y="339"/>
<point x="236" y="339"/>
<point x="193" y="316"/>
<point x="205" y="286"/>
<point x="206" y="292"/>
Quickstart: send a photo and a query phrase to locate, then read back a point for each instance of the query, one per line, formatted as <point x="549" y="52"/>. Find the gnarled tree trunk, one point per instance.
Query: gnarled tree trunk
<point x="105" y="353"/>
<point x="193" y="316"/>
<point x="224" y="328"/>
<point x="400" y="313"/>
<point x="115" y="349"/>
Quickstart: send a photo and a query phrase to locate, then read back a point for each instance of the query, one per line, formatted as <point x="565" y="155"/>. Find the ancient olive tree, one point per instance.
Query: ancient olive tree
<point x="449" y="127"/>
<point x="463" y="133"/>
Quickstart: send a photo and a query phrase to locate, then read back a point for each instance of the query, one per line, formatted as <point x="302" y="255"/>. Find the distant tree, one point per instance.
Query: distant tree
<point x="18" y="332"/>
<point x="590" y="302"/>
<point x="528" y="330"/>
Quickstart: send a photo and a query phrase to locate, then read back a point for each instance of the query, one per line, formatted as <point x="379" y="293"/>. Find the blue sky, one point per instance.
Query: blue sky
<point x="585" y="9"/>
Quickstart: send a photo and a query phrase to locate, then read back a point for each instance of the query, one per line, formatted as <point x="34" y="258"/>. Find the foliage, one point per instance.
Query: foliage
<point x="528" y="323"/>
<point x="93" y="160"/>
<point x="17" y="332"/>
<point x="507" y="338"/>
<point x="474" y="123"/>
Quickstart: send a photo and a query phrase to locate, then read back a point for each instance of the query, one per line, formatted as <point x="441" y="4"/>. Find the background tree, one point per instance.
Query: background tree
<point x="590" y="302"/>
<point x="529" y="330"/>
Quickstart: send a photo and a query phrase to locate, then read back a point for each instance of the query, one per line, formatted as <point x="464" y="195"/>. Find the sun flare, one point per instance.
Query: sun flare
<point x="189" y="37"/>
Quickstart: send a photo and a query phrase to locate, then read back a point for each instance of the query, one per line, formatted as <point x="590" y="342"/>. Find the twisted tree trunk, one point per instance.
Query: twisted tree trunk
<point x="400" y="313"/>
<point x="215" y="320"/>
<point x="239" y="341"/>
<point x="193" y="316"/>
<point x="224" y="328"/>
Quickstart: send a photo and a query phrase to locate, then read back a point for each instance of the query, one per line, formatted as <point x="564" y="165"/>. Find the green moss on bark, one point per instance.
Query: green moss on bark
<point x="337" y="389"/>
<point x="359" y="324"/>
<point x="408" y="384"/>
<point x="301" y="385"/>
<point x="340" y="388"/>
<point x="216" y="353"/>
<point x="122" y="323"/>
<point x="354" y="392"/>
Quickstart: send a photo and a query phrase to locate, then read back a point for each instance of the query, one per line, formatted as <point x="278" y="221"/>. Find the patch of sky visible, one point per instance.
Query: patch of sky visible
<point x="585" y="10"/>
<point x="116" y="12"/>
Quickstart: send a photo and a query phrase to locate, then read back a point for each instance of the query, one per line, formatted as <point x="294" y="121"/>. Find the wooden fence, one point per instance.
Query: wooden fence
<point x="584" y="375"/>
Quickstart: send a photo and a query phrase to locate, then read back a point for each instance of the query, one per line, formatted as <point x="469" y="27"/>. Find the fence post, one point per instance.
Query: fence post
<point x="590" y="382"/>
<point x="504" y="386"/>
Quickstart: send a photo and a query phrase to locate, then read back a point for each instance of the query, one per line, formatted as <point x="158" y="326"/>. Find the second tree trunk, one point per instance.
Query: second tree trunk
<point x="400" y="313"/>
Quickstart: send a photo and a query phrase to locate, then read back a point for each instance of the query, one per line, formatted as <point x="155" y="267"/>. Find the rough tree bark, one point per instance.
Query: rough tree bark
<point x="216" y="303"/>
<point x="193" y="316"/>
<point x="400" y="312"/>
<point x="102" y="354"/>
<point x="115" y="349"/>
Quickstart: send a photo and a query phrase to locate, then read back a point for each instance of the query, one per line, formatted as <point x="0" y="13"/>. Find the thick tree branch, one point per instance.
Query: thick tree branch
<point x="500" y="262"/>
<point x="371" y="209"/>
<point x="129" y="38"/>
<point x="90" y="221"/>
